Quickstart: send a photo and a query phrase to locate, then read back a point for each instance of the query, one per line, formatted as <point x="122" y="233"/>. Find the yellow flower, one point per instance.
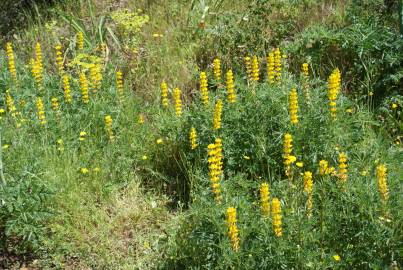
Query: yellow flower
<point x="246" y="157"/>
<point x="178" y="102"/>
<point x="217" y="69"/>
<point x="364" y="173"/>
<point x="231" y="95"/>
<point x="381" y="174"/>
<point x="349" y="110"/>
<point x="84" y="88"/>
<point x="140" y="119"/>
<point x="334" y="86"/>
<point x="5" y="146"/>
<point x="394" y="106"/>
<point x="193" y="138"/>
<point x="217" y="115"/>
<point x="370" y="93"/>
<point x="84" y="170"/>
<point x="308" y="186"/>
<point x="343" y="167"/>
<point x="144" y="157"/>
<point x="276" y="213"/>
<point x="11" y="61"/>
<point x="215" y="156"/>
<point x="248" y="66"/>
<point x="204" y="88"/>
<point x="80" y="41"/>
<point x="265" y="199"/>
<point x="40" y="111"/>
<point x="270" y="68"/>
<point x="59" y="58"/>
<point x="305" y="69"/>
<point x="159" y="141"/>
<point x="2" y="111"/>
<point x="293" y="106"/>
<point x="336" y="258"/>
<point x="255" y="69"/>
<point x="66" y="89"/>
<point x="277" y="64"/>
<point x="233" y="231"/>
<point x="299" y="164"/>
<point x="119" y="85"/>
<point x="164" y="94"/>
<point x="96" y="169"/>
<point x="108" y="127"/>
<point x="83" y="136"/>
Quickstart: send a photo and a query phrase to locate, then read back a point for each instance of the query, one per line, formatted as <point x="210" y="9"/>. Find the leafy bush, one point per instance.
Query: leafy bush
<point x="24" y="213"/>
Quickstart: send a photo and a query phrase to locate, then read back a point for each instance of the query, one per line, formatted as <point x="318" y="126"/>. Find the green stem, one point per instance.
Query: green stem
<point x="2" y="178"/>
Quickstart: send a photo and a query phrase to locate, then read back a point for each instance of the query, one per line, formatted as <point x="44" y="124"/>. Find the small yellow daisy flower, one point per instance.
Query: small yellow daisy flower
<point x="336" y="258"/>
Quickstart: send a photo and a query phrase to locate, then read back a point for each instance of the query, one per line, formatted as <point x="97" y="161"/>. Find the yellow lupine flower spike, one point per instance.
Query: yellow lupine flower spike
<point x="233" y="231"/>
<point x="276" y="214"/>
<point x="40" y="108"/>
<point x="381" y="174"/>
<point x="59" y="58"/>
<point x="231" y="95"/>
<point x="108" y="127"/>
<point x="293" y="106"/>
<point x="80" y="41"/>
<point x="255" y="68"/>
<point x="66" y="89"/>
<point x="217" y="115"/>
<point x="217" y="69"/>
<point x="248" y="67"/>
<point x="84" y="88"/>
<point x="270" y="68"/>
<point x="204" y="88"/>
<point x="119" y="85"/>
<point x="164" y="94"/>
<point x="193" y="138"/>
<point x="178" y="102"/>
<point x="11" y="61"/>
<point x="308" y="186"/>
<point x="265" y="199"/>
<point x="342" y="173"/>
<point x="334" y="85"/>
<point x="277" y="64"/>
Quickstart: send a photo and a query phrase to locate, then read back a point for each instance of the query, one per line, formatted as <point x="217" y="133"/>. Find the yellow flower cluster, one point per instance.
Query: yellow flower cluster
<point x="277" y="64"/>
<point x="255" y="68"/>
<point x="55" y="105"/>
<point x="305" y="69"/>
<point x="381" y="174"/>
<point x="276" y="213"/>
<point x="215" y="156"/>
<point x="193" y="138"/>
<point x="38" y="54"/>
<point x="84" y="88"/>
<point x="217" y="69"/>
<point x="119" y="85"/>
<point x="164" y="94"/>
<point x="141" y="119"/>
<point x="10" y="104"/>
<point x="231" y="95"/>
<point x="178" y="102"/>
<point x="233" y="231"/>
<point x="248" y="67"/>
<point x="83" y="136"/>
<point x="40" y="109"/>
<point x="270" y="68"/>
<point x="293" y="106"/>
<point x="334" y="84"/>
<point x="305" y="83"/>
<point x="108" y="127"/>
<point x="11" y="61"/>
<point x="324" y="168"/>
<point x="204" y="88"/>
<point x="288" y="158"/>
<point x="37" y="74"/>
<point x="59" y="58"/>
<point x="96" y="77"/>
<point x="265" y="199"/>
<point x="217" y="115"/>
<point x="66" y="89"/>
<point x="308" y="184"/>
<point x="80" y="41"/>
<point x="342" y="167"/>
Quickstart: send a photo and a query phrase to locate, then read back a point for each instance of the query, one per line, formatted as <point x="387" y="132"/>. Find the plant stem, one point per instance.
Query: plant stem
<point x="2" y="178"/>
